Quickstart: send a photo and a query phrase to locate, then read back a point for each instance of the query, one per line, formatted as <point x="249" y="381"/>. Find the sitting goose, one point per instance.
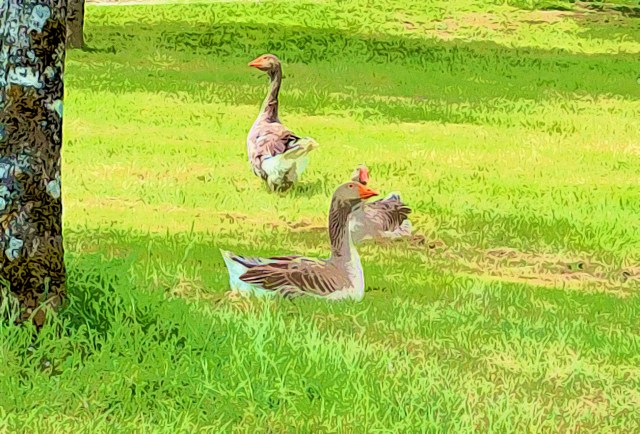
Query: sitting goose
<point x="276" y="154"/>
<point x="338" y="277"/>
<point x="383" y="218"/>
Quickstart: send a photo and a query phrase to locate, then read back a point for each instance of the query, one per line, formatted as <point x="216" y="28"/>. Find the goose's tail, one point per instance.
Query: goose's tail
<point x="405" y="228"/>
<point x="283" y="170"/>
<point x="301" y="148"/>
<point x="236" y="268"/>
<point x="394" y="196"/>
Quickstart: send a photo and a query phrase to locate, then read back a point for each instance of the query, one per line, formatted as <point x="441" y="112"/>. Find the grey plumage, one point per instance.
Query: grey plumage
<point x="383" y="218"/>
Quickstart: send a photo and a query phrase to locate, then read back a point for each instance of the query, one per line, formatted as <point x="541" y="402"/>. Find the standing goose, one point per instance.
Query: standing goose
<point x="338" y="277"/>
<point x="383" y="218"/>
<point x="276" y="154"/>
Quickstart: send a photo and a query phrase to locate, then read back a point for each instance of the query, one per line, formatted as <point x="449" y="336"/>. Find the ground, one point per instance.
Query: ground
<point x="512" y="133"/>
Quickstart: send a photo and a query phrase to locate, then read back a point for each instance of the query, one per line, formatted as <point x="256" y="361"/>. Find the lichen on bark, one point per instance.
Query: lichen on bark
<point x="32" y="48"/>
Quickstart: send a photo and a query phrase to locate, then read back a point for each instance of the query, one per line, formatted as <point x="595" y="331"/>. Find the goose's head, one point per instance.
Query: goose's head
<point x="266" y="62"/>
<point x="352" y="194"/>
<point x="361" y="174"/>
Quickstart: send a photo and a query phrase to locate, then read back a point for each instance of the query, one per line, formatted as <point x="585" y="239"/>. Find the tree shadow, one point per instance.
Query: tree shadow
<point x="607" y="21"/>
<point x="103" y="50"/>
<point x="425" y="79"/>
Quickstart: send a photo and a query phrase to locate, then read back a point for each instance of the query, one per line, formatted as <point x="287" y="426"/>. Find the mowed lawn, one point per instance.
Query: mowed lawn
<point x="512" y="133"/>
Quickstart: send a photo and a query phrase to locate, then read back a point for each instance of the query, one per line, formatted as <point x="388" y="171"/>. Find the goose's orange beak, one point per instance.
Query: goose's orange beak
<point x="256" y="63"/>
<point x="366" y="192"/>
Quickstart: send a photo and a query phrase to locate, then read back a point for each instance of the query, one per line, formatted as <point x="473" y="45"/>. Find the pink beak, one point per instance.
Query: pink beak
<point x="364" y="176"/>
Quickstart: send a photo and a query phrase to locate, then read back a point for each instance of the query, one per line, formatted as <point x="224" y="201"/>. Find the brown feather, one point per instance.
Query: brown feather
<point x="307" y="277"/>
<point x="389" y="214"/>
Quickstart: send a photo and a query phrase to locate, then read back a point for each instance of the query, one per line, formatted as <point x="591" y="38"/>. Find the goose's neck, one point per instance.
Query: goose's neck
<point x="342" y="247"/>
<point x="269" y="110"/>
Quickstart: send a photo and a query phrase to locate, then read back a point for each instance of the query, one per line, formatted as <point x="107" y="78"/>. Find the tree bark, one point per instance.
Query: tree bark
<point x="75" y="24"/>
<point x="32" y="50"/>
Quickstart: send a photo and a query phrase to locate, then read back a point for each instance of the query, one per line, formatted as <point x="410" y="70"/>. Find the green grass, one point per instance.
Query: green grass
<point x="512" y="133"/>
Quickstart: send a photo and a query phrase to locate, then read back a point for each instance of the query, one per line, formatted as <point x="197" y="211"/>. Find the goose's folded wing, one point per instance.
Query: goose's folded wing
<point x="296" y="277"/>
<point x="388" y="213"/>
<point x="274" y="139"/>
<point x="253" y="261"/>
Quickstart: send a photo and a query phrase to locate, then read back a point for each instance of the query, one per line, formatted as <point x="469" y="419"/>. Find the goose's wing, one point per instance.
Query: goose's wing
<point x="274" y="139"/>
<point x="254" y="261"/>
<point x="297" y="277"/>
<point x="388" y="213"/>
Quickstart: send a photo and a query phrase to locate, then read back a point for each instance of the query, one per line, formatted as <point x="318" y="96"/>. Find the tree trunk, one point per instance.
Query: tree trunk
<point x="75" y="24"/>
<point x="32" y="49"/>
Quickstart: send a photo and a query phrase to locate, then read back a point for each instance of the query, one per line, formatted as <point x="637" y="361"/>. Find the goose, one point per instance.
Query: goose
<point x="336" y="278"/>
<point x="383" y="218"/>
<point x="276" y="155"/>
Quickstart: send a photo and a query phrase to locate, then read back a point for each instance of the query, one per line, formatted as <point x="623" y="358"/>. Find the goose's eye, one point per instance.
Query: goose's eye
<point x="350" y="185"/>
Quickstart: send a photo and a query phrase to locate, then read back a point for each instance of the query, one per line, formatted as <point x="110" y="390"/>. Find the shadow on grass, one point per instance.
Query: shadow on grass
<point x="450" y="81"/>
<point x="608" y="21"/>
